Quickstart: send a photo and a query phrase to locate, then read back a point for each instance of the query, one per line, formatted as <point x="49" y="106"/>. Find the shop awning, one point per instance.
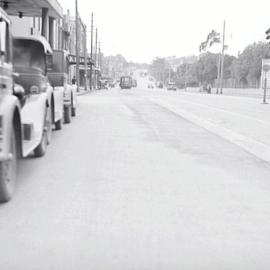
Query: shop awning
<point x="72" y="60"/>
<point x="30" y="8"/>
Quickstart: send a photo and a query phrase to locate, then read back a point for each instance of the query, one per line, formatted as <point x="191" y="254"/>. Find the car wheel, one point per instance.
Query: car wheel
<point x="73" y="112"/>
<point x="67" y="114"/>
<point x="59" y="124"/>
<point x="40" y="151"/>
<point x="42" y="147"/>
<point x="49" y="125"/>
<point x="8" y="171"/>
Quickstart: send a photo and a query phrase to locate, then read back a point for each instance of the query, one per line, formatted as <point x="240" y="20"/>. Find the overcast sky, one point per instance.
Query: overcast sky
<point x="141" y="30"/>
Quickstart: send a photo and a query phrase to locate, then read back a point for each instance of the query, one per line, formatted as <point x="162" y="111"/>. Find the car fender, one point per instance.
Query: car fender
<point x="49" y="92"/>
<point x="67" y="95"/>
<point x="34" y="112"/>
<point x="58" y="94"/>
<point x="10" y="114"/>
<point x="74" y="96"/>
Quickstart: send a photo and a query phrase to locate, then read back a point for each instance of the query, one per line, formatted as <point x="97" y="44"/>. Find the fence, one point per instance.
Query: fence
<point x="245" y="92"/>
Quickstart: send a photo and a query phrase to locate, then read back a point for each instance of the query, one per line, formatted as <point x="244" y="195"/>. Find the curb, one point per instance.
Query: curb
<point x="82" y="93"/>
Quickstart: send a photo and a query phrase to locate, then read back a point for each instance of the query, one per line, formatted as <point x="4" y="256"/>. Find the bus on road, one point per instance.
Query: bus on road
<point x="126" y="82"/>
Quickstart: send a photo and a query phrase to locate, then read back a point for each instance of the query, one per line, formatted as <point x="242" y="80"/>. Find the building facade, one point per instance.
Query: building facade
<point x="84" y="70"/>
<point x="44" y="19"/>
<point x="60" y="31"/>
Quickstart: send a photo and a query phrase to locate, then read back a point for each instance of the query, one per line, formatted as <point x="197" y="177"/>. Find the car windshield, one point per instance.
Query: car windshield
<point x="29" y="53"/>
<point x="125" y="79"/>
<point x="60" y="62"/>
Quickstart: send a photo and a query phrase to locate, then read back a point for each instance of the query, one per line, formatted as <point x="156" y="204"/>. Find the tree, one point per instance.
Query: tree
<point x="207" y="68"/>
<point x="228" y="61"/>
<point x="159" y="69"/>
<point x="212" y="38"/>
<point x="246" y="69"/>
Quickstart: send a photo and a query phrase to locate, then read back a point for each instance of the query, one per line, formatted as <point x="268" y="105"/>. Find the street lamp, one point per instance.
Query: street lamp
<point x="267" y="32"/>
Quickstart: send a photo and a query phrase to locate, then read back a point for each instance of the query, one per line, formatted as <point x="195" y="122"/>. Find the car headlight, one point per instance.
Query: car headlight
<point x="34" y="89"/>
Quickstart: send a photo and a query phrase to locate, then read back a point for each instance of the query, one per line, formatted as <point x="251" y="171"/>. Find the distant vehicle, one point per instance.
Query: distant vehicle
<point x="171" y="86"/>
<point x="134" y="83"/>
<point x="143" y="74"/>
<point x="150" y="85"/>
<point x="112" y="83"/>
<point x="103" y="84"/>
<point x="159" y="84"/>
<point x="126" y="82"/>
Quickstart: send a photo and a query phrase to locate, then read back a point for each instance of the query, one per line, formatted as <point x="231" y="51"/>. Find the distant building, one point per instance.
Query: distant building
<point x="175" y="62"/>
<point x="115" y="66"/>
<point x="71" y="22"/>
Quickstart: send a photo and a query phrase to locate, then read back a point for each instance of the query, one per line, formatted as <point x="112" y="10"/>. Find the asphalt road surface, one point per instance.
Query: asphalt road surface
<point x="132" y="185"/>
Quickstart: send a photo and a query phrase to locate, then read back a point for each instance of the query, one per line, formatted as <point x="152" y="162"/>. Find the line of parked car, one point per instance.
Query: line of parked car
<point x="35" y="99"/>
<point x="170" y="85"/>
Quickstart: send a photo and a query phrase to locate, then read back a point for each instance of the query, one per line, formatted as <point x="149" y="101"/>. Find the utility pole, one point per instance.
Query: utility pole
<point x="91" y="52"/>
<point x="265" y="89"/>
<point x="99" y="57"/>
<point x="77" y="46"/>
<point x="96" y="48"/>
<point x="218" y="73"/>
<point x="85" y="58"/>
<point x="96" y="58"/>
<point x="222" y="59"/>
<point x="186" y="65"/>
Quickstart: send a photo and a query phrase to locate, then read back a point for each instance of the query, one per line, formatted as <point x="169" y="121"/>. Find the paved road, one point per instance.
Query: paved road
<point x="133" y="185"/>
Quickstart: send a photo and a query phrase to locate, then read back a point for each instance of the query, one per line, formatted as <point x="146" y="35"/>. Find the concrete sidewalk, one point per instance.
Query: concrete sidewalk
<point x="247" y="127"/>
<point x="82" y="91"/>
<point x="243" y="92"/>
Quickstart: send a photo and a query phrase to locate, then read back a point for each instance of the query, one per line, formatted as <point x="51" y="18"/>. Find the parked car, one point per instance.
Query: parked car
<point x="159" y="85"/>
<point x="12" y="98"/>
<point x="171" y="86"/>
<point x="32" y="59"/>
<point x="26" y="102"/>
<point x="103" y="84"/>
<point x="134" y="83"/>
<point x="112" y="83"/>
<point x="59" y="78"/>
